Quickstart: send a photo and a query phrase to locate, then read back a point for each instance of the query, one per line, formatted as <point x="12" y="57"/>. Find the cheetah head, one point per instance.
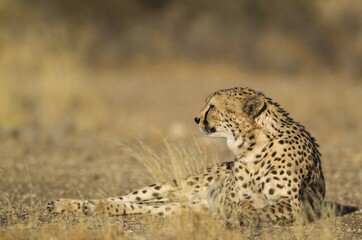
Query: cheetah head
<point x="231" y="113"/>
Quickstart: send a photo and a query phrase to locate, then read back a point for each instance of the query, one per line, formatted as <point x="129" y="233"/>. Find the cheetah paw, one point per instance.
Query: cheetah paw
<point x="66" y="206"/>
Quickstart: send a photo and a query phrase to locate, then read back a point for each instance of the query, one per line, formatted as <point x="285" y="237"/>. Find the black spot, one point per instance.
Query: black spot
<point x="229" y="165"/>
<point x="271" y="191"/>
<point x="209" y="179"/>
<point x="273" y="154"/>
<point x="144" y="191"/>
<point x="289" y="172"/>
<point x="138" y="199"/>
<point x="281" y="142"/>
<point x="157" y="187"/>
<point x="241" y="178"/>
<point x="135" y="192"/>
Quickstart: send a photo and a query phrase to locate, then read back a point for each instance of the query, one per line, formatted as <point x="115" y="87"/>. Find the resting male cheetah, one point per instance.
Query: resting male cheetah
<point x="275" y="177"/>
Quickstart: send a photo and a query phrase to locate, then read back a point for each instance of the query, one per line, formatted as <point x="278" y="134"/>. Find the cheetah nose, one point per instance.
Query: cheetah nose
<point x="197" y="120"/>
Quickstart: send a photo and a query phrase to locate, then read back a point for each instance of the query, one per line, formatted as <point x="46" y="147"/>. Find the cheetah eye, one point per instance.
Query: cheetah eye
<point x="212" y="106"/>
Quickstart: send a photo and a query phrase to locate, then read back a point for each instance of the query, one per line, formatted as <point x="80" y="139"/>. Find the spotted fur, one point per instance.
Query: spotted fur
<point x="276" y="175"/>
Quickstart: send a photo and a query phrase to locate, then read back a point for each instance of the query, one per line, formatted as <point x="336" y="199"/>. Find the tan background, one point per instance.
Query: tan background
<point x="79" y="78"/>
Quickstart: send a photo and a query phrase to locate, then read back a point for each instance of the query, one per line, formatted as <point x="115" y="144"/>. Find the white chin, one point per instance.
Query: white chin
<point x="217" y="135"/>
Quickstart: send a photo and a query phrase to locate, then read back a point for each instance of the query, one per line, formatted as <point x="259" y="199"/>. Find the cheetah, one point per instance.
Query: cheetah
<point x="275" y="178"/>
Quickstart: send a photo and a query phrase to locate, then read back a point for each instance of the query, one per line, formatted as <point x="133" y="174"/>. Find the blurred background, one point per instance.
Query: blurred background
<point x="78" y="77"/>
<point x="87" y="63"/>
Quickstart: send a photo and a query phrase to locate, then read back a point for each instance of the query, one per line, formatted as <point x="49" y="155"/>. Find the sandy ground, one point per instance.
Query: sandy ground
<point x="66" y="143"/>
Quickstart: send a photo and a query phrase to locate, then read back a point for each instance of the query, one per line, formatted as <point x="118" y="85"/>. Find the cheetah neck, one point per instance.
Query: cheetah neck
<point x="247" y="147"/>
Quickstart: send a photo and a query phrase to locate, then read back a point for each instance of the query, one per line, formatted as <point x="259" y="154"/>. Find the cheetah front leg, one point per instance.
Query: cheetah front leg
<point x="126" y="204"/>
<point x="108" y="206"/>
<point x="187" y="193"/>
<point x="139" y="201"/>
<point x="153" y="199"/>
<point x="116" y="207"/>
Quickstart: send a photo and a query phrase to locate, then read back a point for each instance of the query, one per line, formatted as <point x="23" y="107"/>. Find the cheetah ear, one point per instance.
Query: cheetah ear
<point x="254" y="106"/>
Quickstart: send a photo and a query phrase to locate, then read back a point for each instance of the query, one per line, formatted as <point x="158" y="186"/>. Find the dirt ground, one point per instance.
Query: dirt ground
<point x="65" y="138"/>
